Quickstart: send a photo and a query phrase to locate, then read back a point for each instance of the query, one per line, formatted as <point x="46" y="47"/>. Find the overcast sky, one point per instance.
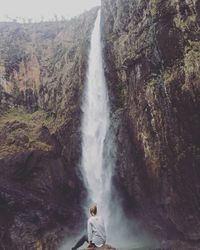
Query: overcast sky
<point x="36" y="9"/>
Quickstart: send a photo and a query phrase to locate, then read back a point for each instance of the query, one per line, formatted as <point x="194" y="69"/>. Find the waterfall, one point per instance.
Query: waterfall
<point x="98" y="150"/>
<point x="98" y="147"/>
<point x="95" y="124"/>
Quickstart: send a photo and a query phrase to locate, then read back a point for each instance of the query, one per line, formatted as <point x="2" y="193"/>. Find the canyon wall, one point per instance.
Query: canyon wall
<point x="152" y="53"/>
<point x="41" y="64"/>
<point x="42" y="74"/>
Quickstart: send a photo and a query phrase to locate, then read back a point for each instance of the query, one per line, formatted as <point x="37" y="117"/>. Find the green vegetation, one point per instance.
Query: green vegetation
<point x="186" y="24"/>
<point x="153" y="83"/>
<point x="153" y="7"/>
<point x="168" y="76"/>
<point x="192" y="58"/>
<point x="16" y="91"/>
<point x="21" y="115"/>
<point x="20" y="130"/>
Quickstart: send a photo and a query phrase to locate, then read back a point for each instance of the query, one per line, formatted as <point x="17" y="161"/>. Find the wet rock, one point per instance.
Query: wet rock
<point x="105" y="247"/>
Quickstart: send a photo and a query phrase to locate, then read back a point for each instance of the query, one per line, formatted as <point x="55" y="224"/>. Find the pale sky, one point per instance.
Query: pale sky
<point x="36" y="9"/>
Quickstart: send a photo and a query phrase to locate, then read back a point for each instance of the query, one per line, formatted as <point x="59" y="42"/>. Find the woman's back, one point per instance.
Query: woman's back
<point x="96" y="230"/>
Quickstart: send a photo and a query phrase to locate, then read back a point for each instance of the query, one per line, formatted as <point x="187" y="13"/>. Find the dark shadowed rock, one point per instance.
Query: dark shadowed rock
<point x="151" y="53"/>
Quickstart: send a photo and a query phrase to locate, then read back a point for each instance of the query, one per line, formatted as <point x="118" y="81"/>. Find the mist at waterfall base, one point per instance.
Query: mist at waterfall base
<point x="98" y="154"/>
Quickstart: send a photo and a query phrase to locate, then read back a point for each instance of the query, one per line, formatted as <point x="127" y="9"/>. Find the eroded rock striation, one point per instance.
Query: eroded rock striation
<point x="151" y="53"/>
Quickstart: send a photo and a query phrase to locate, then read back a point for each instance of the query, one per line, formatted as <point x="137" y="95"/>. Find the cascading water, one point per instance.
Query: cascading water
<point x="98" y="151"/>
<point x="95" y="124"/>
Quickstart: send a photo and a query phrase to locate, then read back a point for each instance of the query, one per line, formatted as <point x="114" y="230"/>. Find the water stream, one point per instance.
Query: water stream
<point x="98" y="151"/>
<point x="95" y="124"/>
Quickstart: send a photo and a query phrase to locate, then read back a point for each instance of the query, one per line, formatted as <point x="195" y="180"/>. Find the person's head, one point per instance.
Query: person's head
<point x="93" y="210"/>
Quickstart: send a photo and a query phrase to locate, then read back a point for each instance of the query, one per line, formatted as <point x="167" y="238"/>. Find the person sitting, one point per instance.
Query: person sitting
<point x="96" y="236"/>
<point x="96" y="229"/>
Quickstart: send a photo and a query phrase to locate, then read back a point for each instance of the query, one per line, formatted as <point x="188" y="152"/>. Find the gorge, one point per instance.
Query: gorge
<point x="151" y="54"/>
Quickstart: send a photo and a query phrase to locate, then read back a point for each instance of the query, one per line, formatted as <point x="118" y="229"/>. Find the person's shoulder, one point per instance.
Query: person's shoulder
<point x="90" y="219"/>
<point x="98" y="217"/>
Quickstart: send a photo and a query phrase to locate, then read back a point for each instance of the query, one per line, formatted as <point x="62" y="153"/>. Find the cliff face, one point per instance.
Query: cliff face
<point x="152" y="52"/>
<point x="39" y="63"/>
<point x="42" y="73"/>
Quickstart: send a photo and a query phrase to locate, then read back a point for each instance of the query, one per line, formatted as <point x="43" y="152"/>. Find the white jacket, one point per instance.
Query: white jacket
<point x="96" y="231"/>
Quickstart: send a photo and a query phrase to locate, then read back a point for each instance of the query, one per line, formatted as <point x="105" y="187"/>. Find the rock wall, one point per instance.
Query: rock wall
<point x="44" y="64"/>
<point x="42" y="73"/>
<point x="152" y="52"/>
